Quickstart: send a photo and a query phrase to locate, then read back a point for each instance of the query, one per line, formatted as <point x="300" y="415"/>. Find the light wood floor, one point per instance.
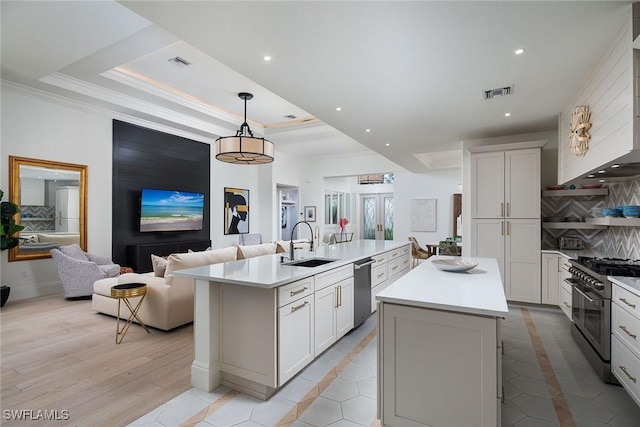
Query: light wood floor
<point x="57" y="354"/>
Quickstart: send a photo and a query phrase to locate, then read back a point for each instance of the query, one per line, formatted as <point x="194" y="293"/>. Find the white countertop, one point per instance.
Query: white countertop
<point x="478" y="291"/>
<point x="632" y="284"/>
<point x="267" y="272"/>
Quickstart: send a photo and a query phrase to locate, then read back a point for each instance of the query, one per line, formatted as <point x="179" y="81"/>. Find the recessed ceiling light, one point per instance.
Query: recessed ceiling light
<point x="601" y="180"/>
<point x="367" y="130"/>
<point x="615" y="166"/>
<point x="387" y="144"/>
<point x="507" y="114"/>
<point x="267" y="58"/>
<point x="338" y="108"/>
<point x="519" y="51"/>
<point x="602" y="171"/>
<point x="590" y="176"/>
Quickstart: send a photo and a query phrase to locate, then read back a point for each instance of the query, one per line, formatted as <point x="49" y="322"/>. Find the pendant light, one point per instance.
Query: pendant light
<point x="244" y="148"/>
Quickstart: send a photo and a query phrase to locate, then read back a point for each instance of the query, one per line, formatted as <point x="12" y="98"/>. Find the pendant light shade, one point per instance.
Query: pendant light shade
<point x="244" y="148"/>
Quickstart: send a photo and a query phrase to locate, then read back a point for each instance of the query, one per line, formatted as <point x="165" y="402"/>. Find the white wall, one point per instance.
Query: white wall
<point x="37" y="128"/>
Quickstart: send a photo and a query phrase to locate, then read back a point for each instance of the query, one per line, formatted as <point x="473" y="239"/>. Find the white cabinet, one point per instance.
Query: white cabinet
<point x="505" y="211"/>
<point x="625" y="339"/>
<point x="555" y="290"/>
<point x="68" y="209"/>
<point x="295" y="337"/>
<point x="333" y="306"/>
<point x="506" y="184"/>
<point x="438" y="368"/>
<point x="388" y="267"/>
<point x="515" y="243"/>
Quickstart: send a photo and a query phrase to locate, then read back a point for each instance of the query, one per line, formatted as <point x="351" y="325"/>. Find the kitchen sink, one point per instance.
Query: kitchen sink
<point x="311" y="262"/>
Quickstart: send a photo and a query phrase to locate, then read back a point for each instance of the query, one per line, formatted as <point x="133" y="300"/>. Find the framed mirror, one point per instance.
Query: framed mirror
<point x="52" y="197"/>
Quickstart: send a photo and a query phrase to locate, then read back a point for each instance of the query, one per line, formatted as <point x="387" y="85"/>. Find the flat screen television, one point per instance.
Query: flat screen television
<point x="169" y="210"/>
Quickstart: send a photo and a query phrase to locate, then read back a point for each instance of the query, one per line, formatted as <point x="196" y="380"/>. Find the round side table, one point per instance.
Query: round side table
<point x="123" y="292"/>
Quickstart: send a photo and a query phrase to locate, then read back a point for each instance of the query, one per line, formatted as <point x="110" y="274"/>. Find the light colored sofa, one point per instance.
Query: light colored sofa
<point x="169" y="300"/>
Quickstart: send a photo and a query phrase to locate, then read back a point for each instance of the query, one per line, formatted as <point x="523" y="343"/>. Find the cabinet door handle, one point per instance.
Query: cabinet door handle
<point x="394" y="267"/>
<point x="502" y="228"/>
<point x="299" y="291"/>
<point x="627" y="302"/>
<point x="299" y="306"/>
<point x="624" y="369"/>
<point x="508" y="209"/>
<point x="340" y="296"/>
<point x="508" y="228"/>
<point x="501" y="209"/>
<point x="379" y="275"/>
<point x="624" y="328"/>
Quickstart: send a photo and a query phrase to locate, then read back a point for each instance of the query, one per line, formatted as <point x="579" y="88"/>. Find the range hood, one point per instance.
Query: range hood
<point x="622" y="169"/>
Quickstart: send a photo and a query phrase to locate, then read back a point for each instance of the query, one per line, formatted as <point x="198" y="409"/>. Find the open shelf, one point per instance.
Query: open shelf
<point x="603" y="191"/>
<point x="573" y="225"/>
<point x="615" y="222"/>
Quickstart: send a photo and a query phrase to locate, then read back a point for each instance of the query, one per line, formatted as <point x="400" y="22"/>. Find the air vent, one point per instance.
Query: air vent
<point x="501" y="91"/>
<point x="180" y="62"/>
<point x="290" y="117"/>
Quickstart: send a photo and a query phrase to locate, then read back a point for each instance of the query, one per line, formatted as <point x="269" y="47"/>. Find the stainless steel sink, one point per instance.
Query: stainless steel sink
<point x="310" y="262"/>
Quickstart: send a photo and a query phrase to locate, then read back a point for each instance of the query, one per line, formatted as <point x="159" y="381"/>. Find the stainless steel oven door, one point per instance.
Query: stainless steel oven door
<point x="592" y="315"/>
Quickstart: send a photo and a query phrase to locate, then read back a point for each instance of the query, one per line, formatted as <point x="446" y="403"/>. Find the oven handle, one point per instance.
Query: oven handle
<point x="591" y="300"/>
<point x="572" y="282"/>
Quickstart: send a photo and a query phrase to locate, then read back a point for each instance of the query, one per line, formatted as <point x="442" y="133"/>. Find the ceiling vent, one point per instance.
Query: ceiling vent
<point x="290" y="117"/>
<point x="501" y="91"/>
<point x="180" y="62"/>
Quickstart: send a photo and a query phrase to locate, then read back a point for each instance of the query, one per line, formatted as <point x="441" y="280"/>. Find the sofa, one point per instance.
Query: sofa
<point x="169" y="300"/>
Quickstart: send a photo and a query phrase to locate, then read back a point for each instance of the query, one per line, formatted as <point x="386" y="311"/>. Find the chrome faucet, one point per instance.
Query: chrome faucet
<point x="294" y="229"/>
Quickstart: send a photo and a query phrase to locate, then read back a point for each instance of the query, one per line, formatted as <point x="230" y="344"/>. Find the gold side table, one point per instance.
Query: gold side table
<point x="123" y="292"/>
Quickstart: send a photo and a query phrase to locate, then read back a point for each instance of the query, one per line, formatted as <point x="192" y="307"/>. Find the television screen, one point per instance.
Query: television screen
<point x="165" y="210"/>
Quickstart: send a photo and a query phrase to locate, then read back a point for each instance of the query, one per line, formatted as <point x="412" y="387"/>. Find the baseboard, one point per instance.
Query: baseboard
<point x="32" y="291"/>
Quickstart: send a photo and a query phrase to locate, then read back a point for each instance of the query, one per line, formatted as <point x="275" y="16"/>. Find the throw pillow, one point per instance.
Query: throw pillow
<point x="159" y="265"/>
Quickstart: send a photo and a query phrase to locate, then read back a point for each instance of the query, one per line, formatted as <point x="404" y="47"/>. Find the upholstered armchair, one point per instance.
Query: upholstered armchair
<point x="78" y="270"/>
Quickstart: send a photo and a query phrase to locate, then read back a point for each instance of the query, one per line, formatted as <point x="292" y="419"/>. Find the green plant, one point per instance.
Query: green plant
<point x="9" y="226"/>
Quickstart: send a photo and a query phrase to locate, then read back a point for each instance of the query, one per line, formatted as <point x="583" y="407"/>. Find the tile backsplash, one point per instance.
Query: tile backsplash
<point x="622" y="242"/>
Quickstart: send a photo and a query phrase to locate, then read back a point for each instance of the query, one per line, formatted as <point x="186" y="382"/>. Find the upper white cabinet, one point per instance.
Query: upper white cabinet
<point x="506" y="184"/>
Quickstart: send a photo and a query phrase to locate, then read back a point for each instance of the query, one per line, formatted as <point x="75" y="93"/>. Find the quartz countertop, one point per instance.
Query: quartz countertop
<point x="267" y="271"/>
<point x="632" y="284"/>
<point x="478" y="291"/>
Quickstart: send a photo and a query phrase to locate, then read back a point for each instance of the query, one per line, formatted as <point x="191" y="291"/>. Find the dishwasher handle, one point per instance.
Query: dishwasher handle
<point x="357" y="266"/>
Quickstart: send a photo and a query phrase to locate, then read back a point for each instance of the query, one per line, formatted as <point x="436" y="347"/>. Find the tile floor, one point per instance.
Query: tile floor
<point x="339" y="388"/>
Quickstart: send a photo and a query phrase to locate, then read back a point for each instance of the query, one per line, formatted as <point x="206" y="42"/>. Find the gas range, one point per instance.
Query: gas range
<point x="611" y="266"/>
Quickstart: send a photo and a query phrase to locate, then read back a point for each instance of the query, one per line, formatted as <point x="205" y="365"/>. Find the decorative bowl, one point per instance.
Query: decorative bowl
<point x="612" y="212"/>
<point x="591" y="186"/>
<point x="555" y="187"/>
<point x="454" y="265"/>
<point x="630" y="211"/>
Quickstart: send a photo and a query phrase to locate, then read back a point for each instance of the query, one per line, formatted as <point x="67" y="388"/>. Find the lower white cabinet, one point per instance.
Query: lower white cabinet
<point x="550" y="278"/>
<point x="515" y="243"/>
<point x="333" y="314"/>
<point x="388" y="267"/>
<point x="295" y="337"/>
<point x="565" y="300"/>
<point x="625" y="339"/>
<point x="438" y="368"/>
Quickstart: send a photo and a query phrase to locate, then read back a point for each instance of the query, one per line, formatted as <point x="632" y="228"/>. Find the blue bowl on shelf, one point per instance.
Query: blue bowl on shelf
<point x="612" y="212"/>
<point x="630" y="211"/>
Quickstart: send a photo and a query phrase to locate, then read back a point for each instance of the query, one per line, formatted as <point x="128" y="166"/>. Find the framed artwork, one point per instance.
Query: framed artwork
<point x="236" y="211"/>
<point x="423" y="215"/>
<point x="310" y="213"/>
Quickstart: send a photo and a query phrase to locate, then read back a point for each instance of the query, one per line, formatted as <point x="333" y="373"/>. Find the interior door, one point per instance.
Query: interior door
<point x="377" y="216"/>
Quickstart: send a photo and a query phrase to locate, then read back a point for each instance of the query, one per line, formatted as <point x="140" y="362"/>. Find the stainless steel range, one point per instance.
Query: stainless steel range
<point x="591" y="307"/>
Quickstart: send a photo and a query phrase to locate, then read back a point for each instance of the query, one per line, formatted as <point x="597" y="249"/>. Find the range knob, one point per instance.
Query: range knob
<point x="598" y="285"/>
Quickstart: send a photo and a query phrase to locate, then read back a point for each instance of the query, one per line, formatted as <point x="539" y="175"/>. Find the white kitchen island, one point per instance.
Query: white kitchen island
<point x="439" y="347"/>
<point x="259" y="321"/>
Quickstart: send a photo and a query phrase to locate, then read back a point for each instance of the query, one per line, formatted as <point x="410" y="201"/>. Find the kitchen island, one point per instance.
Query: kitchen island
<point x="259" y="321"/>
<point x="439" y="346"/>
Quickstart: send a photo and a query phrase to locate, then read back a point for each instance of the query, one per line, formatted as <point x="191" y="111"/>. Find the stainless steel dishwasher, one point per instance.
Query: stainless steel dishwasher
<point x="362" y="290"/>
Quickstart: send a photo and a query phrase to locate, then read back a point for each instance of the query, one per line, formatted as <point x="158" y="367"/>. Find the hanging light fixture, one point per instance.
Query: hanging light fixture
<point x="244" y="148"/>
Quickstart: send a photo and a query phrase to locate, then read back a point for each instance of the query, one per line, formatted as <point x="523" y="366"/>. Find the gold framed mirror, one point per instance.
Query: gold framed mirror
<point x="52" y="197"/>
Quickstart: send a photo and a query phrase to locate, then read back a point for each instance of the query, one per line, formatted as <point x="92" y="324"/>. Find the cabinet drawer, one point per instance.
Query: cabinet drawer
<point x="626" y="327"/>
<point x="378" y="274"/>
<point x="333" y="276"/>
<point x="626" y="367"/>
<point x="295" y="290"/>
<point x="565" y="301"/>
<point x="564" y="265"/>
<point x="396" y="253"/>
<point x="396" y="265"/>
<point x="380" y="258"/>
<point x="626" y="300"/>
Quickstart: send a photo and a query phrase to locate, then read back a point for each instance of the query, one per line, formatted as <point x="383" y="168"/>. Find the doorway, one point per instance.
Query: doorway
<point x="376" y="216"/>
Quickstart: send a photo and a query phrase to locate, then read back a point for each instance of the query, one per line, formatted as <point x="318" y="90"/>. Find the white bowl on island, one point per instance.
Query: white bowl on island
<point x="454" y="265"/>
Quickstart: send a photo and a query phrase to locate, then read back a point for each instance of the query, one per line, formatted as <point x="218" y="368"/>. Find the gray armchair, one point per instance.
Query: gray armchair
<point x="78" y="270"/>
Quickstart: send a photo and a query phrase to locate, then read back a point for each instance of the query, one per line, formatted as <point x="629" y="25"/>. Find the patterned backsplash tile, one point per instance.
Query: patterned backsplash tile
<point x="623" y="242"/>
<point x="37" y="218"/>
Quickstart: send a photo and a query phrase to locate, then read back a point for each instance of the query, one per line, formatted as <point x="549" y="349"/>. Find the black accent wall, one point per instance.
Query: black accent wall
<point x="145" y="158"/>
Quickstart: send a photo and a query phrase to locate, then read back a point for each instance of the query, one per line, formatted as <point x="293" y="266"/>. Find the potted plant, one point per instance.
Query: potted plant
<point x="8" y="241"/>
